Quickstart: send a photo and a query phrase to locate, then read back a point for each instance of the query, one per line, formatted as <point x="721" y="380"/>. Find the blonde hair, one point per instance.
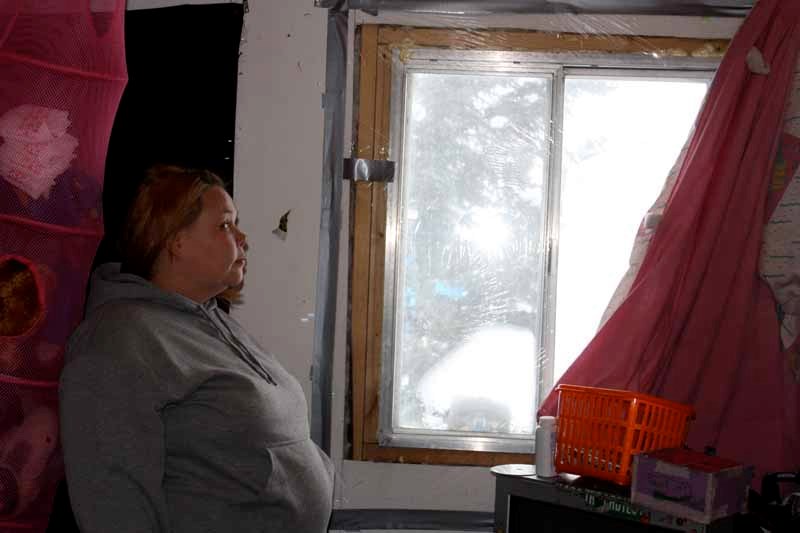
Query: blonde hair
<point x="168" y="200"/>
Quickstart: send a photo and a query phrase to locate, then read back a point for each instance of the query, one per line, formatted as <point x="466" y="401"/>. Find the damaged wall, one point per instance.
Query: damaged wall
<point x="277" y="171"/>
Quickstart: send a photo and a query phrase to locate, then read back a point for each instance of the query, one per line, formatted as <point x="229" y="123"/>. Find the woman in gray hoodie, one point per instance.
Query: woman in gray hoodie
<point x="173" y="419"/>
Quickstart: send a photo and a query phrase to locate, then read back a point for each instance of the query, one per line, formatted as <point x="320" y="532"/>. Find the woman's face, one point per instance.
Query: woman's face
<point x="212" y="249"/>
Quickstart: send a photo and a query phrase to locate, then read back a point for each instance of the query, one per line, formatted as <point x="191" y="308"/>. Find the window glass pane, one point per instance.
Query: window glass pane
<point x="469" y="268"/>
<point x="621" y="138"/>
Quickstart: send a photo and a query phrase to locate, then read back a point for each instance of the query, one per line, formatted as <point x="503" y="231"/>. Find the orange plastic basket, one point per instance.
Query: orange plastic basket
<point x="600" y="430"/>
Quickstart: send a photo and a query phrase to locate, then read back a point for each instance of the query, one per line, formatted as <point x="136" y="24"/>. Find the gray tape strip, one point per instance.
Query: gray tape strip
<point x="330" y="225"/>
<point x="368" y="170"/>
<point x="399" y="519"/>
<point x="721" y="8"/>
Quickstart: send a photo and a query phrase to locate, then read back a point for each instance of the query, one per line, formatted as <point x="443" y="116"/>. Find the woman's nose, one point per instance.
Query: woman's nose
<point x="241" y="239"/>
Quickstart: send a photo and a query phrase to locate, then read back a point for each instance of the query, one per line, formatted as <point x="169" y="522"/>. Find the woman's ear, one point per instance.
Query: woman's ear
<point x="175" y="245"/>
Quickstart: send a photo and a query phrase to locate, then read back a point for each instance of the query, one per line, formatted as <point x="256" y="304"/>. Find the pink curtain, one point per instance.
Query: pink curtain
<point x="699" y="325"/>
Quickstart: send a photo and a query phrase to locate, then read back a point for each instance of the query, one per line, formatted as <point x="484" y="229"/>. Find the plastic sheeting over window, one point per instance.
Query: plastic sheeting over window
<point x="502" y="161"/>
<point x="525" y="162"/>
<point x="718" y="8"/>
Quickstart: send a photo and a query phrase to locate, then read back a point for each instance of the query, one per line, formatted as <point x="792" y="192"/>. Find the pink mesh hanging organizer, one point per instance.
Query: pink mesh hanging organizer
<point x="62" y="73"/>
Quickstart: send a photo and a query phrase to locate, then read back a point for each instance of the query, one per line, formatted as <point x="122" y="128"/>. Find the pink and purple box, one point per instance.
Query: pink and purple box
<point x="690" y="484"/>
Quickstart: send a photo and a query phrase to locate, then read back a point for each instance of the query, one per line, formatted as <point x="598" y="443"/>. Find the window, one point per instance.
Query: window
<point x="484" y="269"/>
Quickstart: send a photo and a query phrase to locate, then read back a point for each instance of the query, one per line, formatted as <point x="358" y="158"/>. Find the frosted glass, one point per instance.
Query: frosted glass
<point x="470" y="269"/>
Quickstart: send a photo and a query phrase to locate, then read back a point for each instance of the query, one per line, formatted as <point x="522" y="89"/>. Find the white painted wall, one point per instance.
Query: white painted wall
<point x="278" y="168"/>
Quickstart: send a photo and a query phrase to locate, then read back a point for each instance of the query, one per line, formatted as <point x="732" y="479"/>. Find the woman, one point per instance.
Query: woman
<point x="173" y="418"/>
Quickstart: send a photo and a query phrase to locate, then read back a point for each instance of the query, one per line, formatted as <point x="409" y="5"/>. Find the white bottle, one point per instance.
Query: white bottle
<point x="546" y="447"/>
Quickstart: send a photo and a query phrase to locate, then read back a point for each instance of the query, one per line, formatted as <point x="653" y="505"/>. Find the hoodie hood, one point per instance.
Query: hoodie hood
<point x="108" y="285"/>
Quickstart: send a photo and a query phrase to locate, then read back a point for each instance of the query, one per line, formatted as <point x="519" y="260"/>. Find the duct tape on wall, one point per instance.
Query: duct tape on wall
<point x="369" y="170"/>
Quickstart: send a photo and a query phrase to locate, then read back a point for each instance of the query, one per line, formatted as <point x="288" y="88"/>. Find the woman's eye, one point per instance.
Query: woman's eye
<point x="226" y="225"/>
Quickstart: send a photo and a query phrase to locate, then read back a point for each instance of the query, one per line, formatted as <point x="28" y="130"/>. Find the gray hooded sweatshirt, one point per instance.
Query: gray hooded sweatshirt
<point x="174" y="420"/>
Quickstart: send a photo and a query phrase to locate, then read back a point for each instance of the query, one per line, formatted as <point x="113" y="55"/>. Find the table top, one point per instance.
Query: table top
<point x="568" y="481"/>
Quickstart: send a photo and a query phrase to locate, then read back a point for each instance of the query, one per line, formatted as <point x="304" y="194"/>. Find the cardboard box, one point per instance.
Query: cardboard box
<point x="690" y="484"/>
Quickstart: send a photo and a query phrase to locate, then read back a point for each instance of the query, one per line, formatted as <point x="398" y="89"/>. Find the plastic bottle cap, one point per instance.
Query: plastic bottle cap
<point x="547" y="421"/>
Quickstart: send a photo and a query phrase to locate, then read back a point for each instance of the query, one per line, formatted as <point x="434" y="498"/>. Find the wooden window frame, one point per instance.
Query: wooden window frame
<point x="376" y="46"/>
